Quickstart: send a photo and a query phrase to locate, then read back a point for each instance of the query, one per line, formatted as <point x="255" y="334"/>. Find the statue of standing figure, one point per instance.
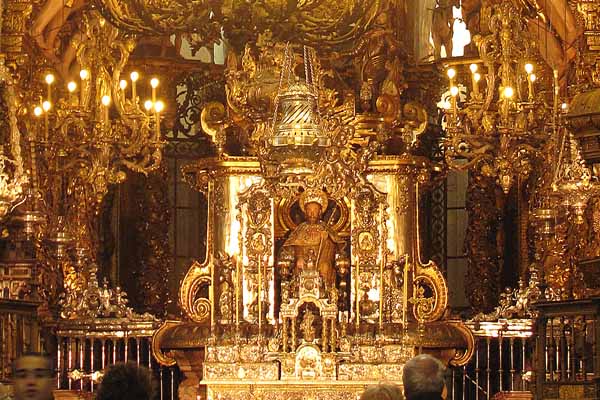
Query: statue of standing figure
<point x="313" y="241"/>
<point x="442" y="21"/>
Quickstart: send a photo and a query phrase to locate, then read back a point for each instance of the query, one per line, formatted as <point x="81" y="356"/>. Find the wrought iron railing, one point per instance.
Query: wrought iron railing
<point x="568" y="349"/>
<point x="19" y="332"/>
<point x="501" y="361"/>
<point x="84" y="351"/>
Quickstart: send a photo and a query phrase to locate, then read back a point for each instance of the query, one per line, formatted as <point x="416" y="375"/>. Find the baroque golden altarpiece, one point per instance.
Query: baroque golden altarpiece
<point x="313" y="282"/>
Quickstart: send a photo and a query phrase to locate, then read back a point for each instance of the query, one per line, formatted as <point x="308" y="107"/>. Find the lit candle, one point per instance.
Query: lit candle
<point x="134" y="77"/>
<point x="148" y="105"/>
<point x="451" y="74"/>
<point x="453" y="90"/>
<point x="46" y="105"/>
<point x="159" y="106"/>
<point x="530" y="81"/>
<point x="475" y="77"/>
<point x="49" y="81"/>
<point x="507" y="93"/>
<point x="556" y="91"/>
<point x="154" y="84"/>
<point x="123" y="86"/>
<point x="84" y="75"/>
<point x="71" y="87"/>
<point x="454" y="94"/>
<point x="106" y="104"/>
<point x="37" y="111"/>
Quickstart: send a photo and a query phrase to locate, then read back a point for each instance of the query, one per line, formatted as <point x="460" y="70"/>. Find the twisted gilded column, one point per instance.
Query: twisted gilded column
<point x="483" y="238"/>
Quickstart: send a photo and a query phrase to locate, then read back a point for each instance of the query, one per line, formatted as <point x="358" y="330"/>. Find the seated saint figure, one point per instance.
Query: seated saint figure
<point x="313" y="238"/>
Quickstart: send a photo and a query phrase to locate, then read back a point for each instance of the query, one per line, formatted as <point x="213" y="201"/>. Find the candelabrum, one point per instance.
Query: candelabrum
<point x="12" y="175"/>
<point x="84" y="136"/>
<point x="99" y="129"/>
<point x="499" y="126"/>
<point x="558" y="208"/>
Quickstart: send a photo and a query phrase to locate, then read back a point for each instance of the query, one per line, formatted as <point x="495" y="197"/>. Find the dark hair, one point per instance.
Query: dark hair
<point x="46" y="357"/>
<point x="126" y="381"/>
<point x="423" y="378"/>
<point x="383" y="391"/>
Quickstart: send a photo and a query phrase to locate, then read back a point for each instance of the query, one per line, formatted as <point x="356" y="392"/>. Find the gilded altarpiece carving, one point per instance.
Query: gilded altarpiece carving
<point x="483" y="244"/>
<point x="280" y="327"/>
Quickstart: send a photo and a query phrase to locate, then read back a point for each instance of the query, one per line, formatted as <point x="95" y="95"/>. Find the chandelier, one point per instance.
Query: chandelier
<point x="99" y="128"/>
<point x="499" y="126"/>
<point x="85" y="135"/>
<point x="12" y="175"/>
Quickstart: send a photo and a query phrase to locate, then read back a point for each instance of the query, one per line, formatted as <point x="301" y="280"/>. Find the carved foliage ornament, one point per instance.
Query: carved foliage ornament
<point x="12" y="174"/>
<point x="328" y="23"/>
<point x="296" y="127"/>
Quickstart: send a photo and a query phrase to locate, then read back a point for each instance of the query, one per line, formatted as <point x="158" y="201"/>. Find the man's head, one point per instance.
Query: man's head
<point x="313" y="212"/>
<point x="313" y="202"/>
<point x="423" y="378"/>
<point x="33" y="377"/>
<point x="125" y="381"/>
<point x="383" y="391"/>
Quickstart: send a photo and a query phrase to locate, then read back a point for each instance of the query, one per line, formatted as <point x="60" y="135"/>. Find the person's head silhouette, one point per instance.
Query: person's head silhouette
<point x="33" y="377"/>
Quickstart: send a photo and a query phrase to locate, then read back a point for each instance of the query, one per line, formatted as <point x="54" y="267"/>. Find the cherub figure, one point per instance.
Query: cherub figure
<point x="46" y="26"/>
<point x="442" y="22"/>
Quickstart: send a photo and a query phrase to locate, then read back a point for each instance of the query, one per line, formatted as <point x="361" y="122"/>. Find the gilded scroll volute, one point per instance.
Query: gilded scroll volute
<point x="207" y="290"/>
<point x="430" y="293"/>
<point x="197" y="285"/>
<point x="196" y="305"/>
<point x="462" y="357"/>
<point x="161" y="357"/>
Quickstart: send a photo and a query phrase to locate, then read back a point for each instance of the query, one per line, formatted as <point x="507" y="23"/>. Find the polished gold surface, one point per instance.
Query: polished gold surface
<point x="13" y="178"/>
<point x="321" y="152"/>
<point x="322" y="22"/>
<point x="498" y="125"/>
<point x="312" y="239"/>
<point x="264" y="304"/>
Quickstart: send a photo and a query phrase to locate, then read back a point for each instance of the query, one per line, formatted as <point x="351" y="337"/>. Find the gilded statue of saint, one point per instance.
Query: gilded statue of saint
<point x="313" y="238"/>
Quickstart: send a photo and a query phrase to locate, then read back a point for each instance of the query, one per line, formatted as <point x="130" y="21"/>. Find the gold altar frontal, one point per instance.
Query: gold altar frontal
<point x="293" y="390"/>
<point x="265" y="323"/>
